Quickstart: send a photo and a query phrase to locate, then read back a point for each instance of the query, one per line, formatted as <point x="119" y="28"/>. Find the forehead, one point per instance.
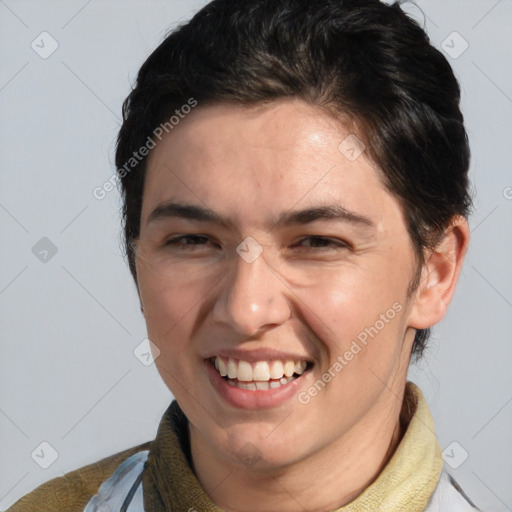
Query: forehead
<point x="264" y="157"/>
<point x="285" y="129"/>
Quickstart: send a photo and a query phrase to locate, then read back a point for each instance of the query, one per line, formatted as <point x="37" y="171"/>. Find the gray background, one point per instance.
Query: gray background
<point x="70" y="324"/>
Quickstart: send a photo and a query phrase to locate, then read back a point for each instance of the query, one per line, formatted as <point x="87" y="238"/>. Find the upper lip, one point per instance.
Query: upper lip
<point x="260" y="354"/>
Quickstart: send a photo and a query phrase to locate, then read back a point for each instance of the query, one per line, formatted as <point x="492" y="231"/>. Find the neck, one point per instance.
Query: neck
<point x="325" y="480"/>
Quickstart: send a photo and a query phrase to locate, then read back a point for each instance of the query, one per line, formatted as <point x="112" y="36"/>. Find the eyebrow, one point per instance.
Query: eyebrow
<point x="298" y="217"/>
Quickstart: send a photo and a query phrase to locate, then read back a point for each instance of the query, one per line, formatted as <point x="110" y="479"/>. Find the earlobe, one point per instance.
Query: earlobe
<point x="439" y="276"/>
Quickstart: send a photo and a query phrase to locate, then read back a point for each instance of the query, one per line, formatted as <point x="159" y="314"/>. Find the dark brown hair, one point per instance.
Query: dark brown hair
<point x="359" y="59"/>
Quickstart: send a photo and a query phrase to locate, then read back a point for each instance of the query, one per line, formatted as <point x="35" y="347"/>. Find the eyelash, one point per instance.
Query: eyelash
<point x="331" y="243"/>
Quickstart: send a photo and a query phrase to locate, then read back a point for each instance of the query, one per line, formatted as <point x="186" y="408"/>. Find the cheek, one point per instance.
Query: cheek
<point x="170" y="311"/>
<point x="172" y="299"/>
<point x="355" y="306"/>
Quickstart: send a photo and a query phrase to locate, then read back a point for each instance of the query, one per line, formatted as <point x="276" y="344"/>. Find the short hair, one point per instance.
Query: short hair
<point x="365" y="62"/>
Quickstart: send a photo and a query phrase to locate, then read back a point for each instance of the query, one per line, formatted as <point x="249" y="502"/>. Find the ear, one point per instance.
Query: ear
<point x="439" y="276"/>
<point x="140" y="301"/>
<point x="134" y="247"/>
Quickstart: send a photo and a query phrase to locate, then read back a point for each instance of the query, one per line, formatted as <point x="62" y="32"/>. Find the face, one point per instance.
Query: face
<point x="273" y="268"/>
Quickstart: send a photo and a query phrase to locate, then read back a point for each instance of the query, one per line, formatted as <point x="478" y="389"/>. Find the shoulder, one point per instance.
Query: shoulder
<point x="72" y="491"/>
<point x="448" y="496"/>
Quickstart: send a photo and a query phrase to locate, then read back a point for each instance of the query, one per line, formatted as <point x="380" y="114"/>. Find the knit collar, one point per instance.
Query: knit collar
<point x="406" y="483"/>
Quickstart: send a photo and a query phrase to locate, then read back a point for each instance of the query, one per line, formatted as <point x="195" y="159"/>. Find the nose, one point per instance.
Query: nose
<point x="252" y="299"/>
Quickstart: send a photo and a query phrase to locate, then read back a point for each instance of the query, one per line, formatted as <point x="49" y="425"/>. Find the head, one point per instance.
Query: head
<point x="252" y="111"/>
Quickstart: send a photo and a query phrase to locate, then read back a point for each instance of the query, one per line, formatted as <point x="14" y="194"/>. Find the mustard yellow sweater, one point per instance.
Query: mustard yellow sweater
<point x="406" y="483"/>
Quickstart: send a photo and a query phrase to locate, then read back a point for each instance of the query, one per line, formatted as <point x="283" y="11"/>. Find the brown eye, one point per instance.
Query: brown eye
<point x="187" y="240"/>
<point x="321" y="242"/>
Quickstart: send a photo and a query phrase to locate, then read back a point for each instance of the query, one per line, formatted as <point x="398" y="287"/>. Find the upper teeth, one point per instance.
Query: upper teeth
<point x="259" y="371"/>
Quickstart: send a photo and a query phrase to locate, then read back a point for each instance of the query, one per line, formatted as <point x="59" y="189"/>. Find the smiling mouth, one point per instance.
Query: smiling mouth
<point x="259" y="375"/>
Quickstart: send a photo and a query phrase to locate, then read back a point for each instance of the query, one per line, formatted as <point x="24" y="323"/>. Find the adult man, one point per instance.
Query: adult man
<point x="297" y="224"/>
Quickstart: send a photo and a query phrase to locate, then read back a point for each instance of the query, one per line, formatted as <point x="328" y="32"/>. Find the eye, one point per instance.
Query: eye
<point x="187" y="241"/>
<point x="323" y="243"/>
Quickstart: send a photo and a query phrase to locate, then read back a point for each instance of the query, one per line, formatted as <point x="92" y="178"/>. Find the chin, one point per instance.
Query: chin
<point x="259" y="448"/>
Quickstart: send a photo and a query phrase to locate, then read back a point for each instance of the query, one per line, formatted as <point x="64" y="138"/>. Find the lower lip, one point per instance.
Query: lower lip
<point x="259" y="399"/>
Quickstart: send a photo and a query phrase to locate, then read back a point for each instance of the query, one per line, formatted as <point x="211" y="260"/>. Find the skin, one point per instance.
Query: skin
<point x="250" y="164"/>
